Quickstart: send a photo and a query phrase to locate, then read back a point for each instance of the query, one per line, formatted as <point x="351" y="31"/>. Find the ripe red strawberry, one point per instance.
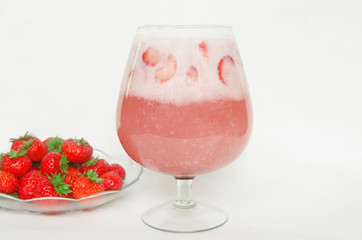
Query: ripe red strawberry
<point x="100" y="166"/>
<point x="52" y="186"/>
<point x="167" y="71"/>
<point x="112" y="181"/>
<point x="77" y="150"/>
<point x="150" y="56"/>
<point x="54" y="162"/>
<point x="119" y="170"/>
<point x="70" y="177"/>
<point x="87" y="184"/>
<point x="9" y="183"/>
<point x="27" y="184"/>
<point x="203" y="49"/>
<point x="36" y="148"/>
<point x="225" y="66"/>
<point x="192" y="75"/>
<point x="16" y="162"/>
<point x="54" y="144"/>
<point x="18" y="142"/>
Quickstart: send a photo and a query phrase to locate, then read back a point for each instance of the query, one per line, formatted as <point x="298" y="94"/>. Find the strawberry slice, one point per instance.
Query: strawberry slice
<point x="192" y="74"/>
<point x="150" y="56"/>
<point x="203" y="49"/>
<point x="167" y="71"/>
<point x="225" y="67"/>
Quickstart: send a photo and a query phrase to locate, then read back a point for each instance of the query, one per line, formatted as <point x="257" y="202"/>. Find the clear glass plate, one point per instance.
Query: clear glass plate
<point x="59" y="205"/>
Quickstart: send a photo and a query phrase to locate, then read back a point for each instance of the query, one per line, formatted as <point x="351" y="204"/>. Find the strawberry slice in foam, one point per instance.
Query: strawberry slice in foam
<point x="226" y="68"/>
<point x="191" y="75"/>
<point x="167" y="71"/>
<point x="150" y="56"/>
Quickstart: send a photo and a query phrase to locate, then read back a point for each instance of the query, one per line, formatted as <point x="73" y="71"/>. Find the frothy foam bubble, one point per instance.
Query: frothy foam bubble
<point x="140" y="77"/>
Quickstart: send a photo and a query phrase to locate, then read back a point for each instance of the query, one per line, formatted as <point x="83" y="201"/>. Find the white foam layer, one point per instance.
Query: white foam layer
<point x="140" y="78"/>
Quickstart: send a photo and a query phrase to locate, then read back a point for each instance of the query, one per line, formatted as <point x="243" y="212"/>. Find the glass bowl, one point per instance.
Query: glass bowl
<point x="52" y="205"/>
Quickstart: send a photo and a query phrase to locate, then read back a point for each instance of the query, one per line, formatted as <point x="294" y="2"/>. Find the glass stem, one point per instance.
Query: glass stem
<point x="184" y="189"/>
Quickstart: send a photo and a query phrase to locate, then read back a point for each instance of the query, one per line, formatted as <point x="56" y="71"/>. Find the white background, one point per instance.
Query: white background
<point x="61" y="64"/>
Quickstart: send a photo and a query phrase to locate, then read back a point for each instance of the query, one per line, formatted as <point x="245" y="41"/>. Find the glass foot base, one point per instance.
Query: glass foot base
<point x="173" y="217"/>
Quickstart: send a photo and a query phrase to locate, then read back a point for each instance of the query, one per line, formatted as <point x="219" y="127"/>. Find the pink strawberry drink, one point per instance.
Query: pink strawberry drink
<point x="184" y="107"/>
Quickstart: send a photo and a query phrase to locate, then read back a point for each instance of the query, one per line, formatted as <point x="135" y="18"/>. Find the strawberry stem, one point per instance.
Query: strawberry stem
<point x="26" y="136"/>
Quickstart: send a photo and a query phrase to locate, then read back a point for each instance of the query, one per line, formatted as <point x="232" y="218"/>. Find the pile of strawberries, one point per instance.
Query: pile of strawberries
<point x="56" y="168"/>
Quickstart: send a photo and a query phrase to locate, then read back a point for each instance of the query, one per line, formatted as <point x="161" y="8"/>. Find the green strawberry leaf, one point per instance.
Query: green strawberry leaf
<point x="91" y="161"/>
<point x="93" y="176"/>
<point x="58" y="181"/>
<point x="55" y="144"/>
<point x="79" y="142"/>
<point x="26" y="136"/>
<point x="27" y="144"/>
<point x="64" y="164"/>
<point x="18" y="153"/>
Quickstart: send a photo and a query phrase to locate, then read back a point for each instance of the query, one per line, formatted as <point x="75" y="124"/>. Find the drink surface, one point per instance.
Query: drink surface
<point x="184" y="107"/>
